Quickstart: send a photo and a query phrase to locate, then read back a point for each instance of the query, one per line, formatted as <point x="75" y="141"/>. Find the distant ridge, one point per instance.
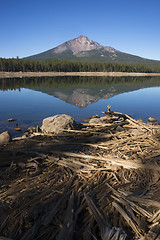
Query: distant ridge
<point x="84" y="49"/>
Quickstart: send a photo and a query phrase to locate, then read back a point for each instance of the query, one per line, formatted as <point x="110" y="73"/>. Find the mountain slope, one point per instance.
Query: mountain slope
<point x="84" y="49"/>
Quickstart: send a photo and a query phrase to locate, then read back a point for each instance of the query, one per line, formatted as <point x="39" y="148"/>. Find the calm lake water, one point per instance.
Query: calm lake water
<point x="30" y="100"/>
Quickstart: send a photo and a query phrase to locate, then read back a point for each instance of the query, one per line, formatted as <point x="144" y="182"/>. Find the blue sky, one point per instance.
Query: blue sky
<point x="33" y="26"/>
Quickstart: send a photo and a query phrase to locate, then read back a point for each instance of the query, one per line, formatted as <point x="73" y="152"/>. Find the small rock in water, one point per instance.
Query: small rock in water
<point x="5" y="138"/>
<point x="152" y="119"/>
<point x="11" y="120"/>
<point x="18" y="130"/>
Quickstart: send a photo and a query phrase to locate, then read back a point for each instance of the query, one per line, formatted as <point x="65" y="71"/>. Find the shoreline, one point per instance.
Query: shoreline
<point x="58" y="174"/>
<point x="86" y="74"/>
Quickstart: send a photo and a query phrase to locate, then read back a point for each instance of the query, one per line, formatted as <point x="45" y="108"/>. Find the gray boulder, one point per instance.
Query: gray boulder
<point x="5" y="138"/>
<point x="57" y="123"/>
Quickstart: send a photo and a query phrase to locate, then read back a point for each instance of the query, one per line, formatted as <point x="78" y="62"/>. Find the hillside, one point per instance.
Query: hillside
<point x="84" y="49"/>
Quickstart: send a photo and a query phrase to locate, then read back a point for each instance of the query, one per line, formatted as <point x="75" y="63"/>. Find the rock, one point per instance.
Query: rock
<point x="152" y="120"/>
<point x="11" y="120"/>
<point x="57" y="123"/>
<point x="140" y="120"/>
<point x="30" y="130"/>
<point x="119" y="129"/>
<point x="5" y="138"/>
<point x="88" y="119"/>
<point x="18" y="130"/>
<point x="95" y="120"/>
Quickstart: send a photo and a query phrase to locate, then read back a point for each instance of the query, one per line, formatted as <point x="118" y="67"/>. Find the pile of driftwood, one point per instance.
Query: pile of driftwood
<point x="99" y="182"/>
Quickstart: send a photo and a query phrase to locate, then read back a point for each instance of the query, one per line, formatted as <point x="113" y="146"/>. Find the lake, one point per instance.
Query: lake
<point x="30" y="100"/>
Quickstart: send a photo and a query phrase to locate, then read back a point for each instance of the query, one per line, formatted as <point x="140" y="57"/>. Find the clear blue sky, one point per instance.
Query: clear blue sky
<point x="33" y="26"/>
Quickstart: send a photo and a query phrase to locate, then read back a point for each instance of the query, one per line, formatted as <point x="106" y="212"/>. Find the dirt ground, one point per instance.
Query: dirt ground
<point x="51" y="74"/>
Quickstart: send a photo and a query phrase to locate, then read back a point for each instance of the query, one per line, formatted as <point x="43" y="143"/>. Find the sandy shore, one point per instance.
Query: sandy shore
<point x="50" y="74"/>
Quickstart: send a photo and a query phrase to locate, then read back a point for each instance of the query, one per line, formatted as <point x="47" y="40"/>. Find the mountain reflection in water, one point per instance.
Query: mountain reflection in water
<point x="31" y="106"/>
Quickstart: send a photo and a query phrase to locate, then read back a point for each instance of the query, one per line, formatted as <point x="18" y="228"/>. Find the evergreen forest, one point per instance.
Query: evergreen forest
<point x="17" y="65"/>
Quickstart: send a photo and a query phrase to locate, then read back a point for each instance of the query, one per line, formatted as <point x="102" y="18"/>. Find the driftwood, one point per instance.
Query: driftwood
<point x="107" y="233"/>
<point x="127" y="218"/>
<point x="100" y="181"/>
<point x="109" y="160"/>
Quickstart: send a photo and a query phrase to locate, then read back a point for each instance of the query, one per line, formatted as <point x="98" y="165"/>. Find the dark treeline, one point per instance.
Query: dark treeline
<point x="16" y="65"/>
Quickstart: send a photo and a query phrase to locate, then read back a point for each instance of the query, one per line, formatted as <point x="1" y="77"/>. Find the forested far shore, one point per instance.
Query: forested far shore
<point x="17" y="65"/>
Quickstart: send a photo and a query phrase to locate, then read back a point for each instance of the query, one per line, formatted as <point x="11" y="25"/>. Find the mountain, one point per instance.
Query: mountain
<point x="84" y="49"/>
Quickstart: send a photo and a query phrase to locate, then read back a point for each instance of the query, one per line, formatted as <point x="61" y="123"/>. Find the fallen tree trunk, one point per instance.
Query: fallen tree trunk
<point x="110" y="160"/>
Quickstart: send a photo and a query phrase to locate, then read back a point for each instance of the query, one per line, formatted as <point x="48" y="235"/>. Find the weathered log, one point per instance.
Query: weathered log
<point x="127" y="218"/>
<point x="107" y="233"/>
<point x="111" y="160"/>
